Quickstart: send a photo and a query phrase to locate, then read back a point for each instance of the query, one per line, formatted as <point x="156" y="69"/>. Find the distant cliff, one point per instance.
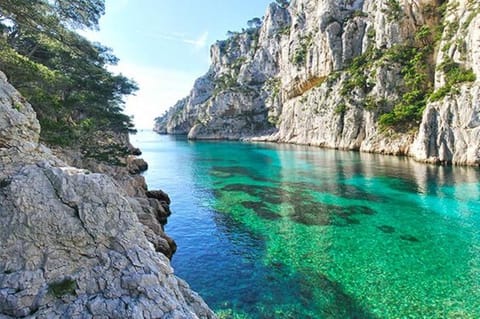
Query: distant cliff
<point x="75" y="243"/>
<point x="388" y="76"/>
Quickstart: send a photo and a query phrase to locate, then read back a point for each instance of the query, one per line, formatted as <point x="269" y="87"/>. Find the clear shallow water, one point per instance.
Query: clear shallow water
<point x="284" y="231"/>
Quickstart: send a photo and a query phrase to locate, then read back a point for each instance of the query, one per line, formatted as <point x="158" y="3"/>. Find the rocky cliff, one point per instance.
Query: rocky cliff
<point x="75" y="243"/>
<point x="389" y="76"/>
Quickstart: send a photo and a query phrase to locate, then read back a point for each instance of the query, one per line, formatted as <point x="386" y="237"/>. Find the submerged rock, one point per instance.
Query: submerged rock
<point x="386" y="229"/>
<point x="410" y="238"/>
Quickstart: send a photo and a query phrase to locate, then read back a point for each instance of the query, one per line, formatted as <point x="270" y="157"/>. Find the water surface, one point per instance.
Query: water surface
<point x="284" y="231"/>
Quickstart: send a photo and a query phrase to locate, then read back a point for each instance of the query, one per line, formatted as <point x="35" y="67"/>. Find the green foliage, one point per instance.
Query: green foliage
<point x="403" y="116"/>
<point x="470" y="18"/>
<point x="252" y="33"/>
<point x="440" y="93"/>
<point x="415" y="88"/>
<point x="358" y="72"/>
<point x="359" y="13"/>
<point x="371" y="33"/>
<point x="273" y="85"/>
<point x="80" y="13"/>
<point x="423" y="34"/>
<point x="224" y="82"/>
<point x="19" y="67"/>
<point x="49" y="17"/>
<point x="58" y="132"/>
<point x="417" y="70"/>
<point x="61" y="74"/>
<point x="393" y="10"/>
<point x="333" y="78"/>
<point x="340" y="109"/>
<point x="273" y="119"/>
<point x="300" y="54"/>
<point x="17" y="106"/>
<point x="446" y="47"/>
<point x="451" y="29"/>
<point x="231" y="35"/>
<point x="408" y="111"/>
<point x="254" y="23"/>
<point x="454" y="74"/>
<point x="285" y="30"/>
<point x="65" y="287"/>
<point x="373" y="104"/>
<point x="412" y="60"/>
<point x="236" y="65"/>
<point x="111" y="154"/>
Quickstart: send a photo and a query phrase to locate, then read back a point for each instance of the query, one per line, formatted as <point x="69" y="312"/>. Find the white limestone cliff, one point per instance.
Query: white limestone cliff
<point x="332" y="73"/>
<point x="450" y="128"/>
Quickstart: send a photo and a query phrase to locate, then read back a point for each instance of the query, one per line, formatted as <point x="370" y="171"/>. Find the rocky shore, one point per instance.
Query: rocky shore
<point x="78" y="238"/>
<point x="390" y="76"/>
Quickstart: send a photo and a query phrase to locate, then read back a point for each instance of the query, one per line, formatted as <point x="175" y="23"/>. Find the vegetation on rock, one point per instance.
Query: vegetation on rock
<point x="62" y="288"/>
<point x="454" y="74"/>
<point x="393" y="10"/>
<point x="417" y="77"/>
<point x="59" y="72"/>
<point x="300" y="55"/>
<point x="341" y="74"/>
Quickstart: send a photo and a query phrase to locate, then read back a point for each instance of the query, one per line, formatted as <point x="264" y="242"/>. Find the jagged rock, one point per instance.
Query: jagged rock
<point x="133" y="185"/>
<point x="78" y="227"/>
<point x="450" y="128"/>
<point x="153" y="215"/>
<point x="135" y="151"/>
<point x="71" y="244"/>
<point x="160" y="195"/>
<point x="136" y="165"/>
<point x="290" y="80"/>
<point x="18" y="124"/>
<point x="161" y="208"/>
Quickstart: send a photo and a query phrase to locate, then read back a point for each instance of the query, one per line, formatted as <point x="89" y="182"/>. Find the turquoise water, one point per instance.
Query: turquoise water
<point x="283" y="231"/>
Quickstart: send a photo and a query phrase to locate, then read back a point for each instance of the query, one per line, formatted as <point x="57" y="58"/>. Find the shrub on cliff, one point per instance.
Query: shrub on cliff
<point x="62" y="74"/>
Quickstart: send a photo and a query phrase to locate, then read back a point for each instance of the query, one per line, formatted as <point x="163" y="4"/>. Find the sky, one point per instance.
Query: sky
<point x="164" y="45"/>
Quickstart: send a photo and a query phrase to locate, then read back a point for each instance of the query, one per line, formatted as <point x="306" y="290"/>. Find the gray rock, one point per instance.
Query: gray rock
<point x="137" y="165"/>
<point x="72" y="242"/>
<point x="18" y="124"/>
<point x="158" y="194"/>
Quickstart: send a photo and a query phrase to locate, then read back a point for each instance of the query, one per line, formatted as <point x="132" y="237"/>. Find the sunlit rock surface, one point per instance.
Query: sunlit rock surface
<point x="73" y="244"/>
<point x="322" y="72"/>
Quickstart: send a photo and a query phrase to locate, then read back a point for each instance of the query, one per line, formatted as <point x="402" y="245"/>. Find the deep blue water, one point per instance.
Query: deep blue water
<point x="284" y="231"/>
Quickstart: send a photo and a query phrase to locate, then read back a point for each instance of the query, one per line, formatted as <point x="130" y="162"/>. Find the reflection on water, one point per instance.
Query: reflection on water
<point x="284" y="231"/>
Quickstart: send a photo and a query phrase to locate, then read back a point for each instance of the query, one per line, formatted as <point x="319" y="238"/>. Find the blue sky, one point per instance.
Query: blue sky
<point x="164" y="45"/>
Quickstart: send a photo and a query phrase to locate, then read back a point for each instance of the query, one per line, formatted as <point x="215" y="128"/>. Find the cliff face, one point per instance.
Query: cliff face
<point x="73" y="243"/>
<point x="389" y="76"/>
<point x="450" y="128"/>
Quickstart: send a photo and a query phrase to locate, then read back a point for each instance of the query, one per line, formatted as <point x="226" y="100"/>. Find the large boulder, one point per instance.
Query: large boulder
<point x="71" y="243"/>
